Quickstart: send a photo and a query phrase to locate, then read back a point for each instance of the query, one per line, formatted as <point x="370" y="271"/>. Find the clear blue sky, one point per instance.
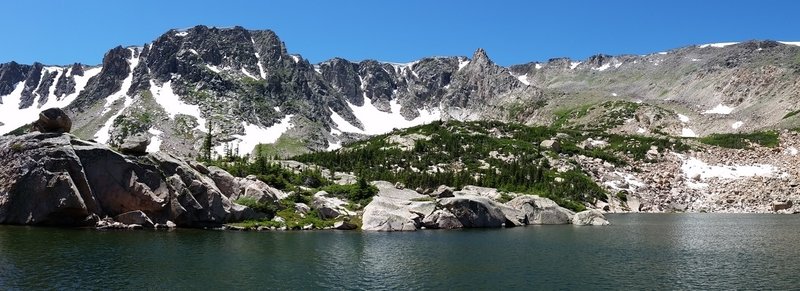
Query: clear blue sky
<point x="512" y="32"/>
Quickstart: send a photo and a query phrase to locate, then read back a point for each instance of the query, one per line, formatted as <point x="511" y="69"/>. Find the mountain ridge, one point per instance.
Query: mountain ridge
<point x="242" y="82"/>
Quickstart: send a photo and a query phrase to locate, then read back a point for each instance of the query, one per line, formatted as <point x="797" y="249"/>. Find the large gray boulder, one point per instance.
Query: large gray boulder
<point x="442" y="219"/>
<point x="474" y="211"/>
<point x="387" y="214"/>
<point x="551" y="144"/>
<point x="135" y="145"/>
<point x="395" y="209"/>
<point x="328" y="207"/>
<point x="442" y="192"/>
<point x="514" y="217"/>
<point x="53" y="120"/>
<point x="590" y="217"/>
<point x="248" y="187"/>
<point x="490" y="193"/>
<point x="540" y="210"/>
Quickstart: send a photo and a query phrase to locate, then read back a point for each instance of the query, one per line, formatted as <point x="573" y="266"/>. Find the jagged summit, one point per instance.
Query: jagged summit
<point x="480" y="56"/>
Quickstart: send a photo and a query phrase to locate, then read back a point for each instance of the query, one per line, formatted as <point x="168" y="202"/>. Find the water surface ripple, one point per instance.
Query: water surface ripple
<point x="642" y="251"/>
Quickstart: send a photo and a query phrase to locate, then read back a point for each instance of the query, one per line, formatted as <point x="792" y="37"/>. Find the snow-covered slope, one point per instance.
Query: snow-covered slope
<point x="12" y="116"/>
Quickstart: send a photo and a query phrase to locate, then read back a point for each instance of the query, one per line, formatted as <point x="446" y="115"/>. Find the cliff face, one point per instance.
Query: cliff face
<point x="58" y="179"/>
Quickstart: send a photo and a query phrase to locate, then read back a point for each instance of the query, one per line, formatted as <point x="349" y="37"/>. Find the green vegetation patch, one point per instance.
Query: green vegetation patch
<point x="360" y="193"/>
<point x="485" y="153"/>
<point x="790" y="114"/>
<point x="283" y="148"/>
<point x="265" y="208"/>
<point x="742" y="140"/>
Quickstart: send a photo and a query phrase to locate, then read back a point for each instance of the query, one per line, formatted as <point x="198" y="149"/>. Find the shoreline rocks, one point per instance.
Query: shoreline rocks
<point x="394" y="209"/>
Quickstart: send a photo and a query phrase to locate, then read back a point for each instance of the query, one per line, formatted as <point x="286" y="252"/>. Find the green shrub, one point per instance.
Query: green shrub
<point x="623" y="196"/>
<point x="360" y="192"/>
<point x="295" y="221"/>
<point x="742" y="140"/>
<point x="17" y="147"/>
<point x="265" y="208"/>
<point x="423" y="199"/>
<point x="790" y="114"/>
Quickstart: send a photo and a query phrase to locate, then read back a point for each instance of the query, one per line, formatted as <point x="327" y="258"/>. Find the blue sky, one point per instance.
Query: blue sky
<point x="512" y="32"/>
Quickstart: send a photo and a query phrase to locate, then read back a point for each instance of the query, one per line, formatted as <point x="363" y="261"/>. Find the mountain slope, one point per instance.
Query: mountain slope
<point x="243" y="88"/>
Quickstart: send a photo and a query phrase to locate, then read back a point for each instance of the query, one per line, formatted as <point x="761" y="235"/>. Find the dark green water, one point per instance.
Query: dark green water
<point x="641" y="251"/>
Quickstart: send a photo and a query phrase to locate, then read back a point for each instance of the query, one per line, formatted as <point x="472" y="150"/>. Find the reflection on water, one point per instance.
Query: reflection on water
<point x="645" y="251"/>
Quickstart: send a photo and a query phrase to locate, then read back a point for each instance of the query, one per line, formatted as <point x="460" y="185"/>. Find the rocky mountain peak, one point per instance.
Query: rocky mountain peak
<point x="10" y="74"/>
<point x="480" y="57"/>
<point x="76" y="70"/>
<point x="114" y="70"/>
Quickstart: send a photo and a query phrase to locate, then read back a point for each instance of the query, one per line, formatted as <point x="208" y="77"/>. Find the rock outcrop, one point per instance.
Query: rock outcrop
<point x="53" y="120"/>
<point x="405" y="210"/>
<point x="538" y="210"/>
<point x="135" y="145"/>
<point x="589" y="217"/>
<point x="58" y="179"/>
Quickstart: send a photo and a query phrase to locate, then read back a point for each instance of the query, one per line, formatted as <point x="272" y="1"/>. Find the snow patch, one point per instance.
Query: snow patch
<point x="213" y="68"/>
<point x="379" y="122"/>
<point x="632" y="181"/>
<point x="537" y="66"/>
<point x="103" y="135"/>
<point x="720" y="109"/>
<point x="295" y="58"/>
<point x="683" y="118"/>
<point x="173" y="104"/>
<point x="255" y="135"/>
<point x="603" y="67"/>
<point x="123" y="90"/>
<point x="52" y="90"/>
<point x="692" y="167"/>
<point x="641" y="130"/>
<point x="792" y="151"/>
<point x="696" y="60"/>
<point x="182" y="33"/>
<point x="717" y="45"/>
<point x="737" y="125"/>
<point x="332" y="146"/>
<point x="573" y="65"/>
<point x="261" y="71"/>
<point x="795" y="43"/>
<point x="662" y="53"/>
<point x="522" y="78"/>
<point x="688" y="132"/>
<point x="155" y="141"/>
<point x="246" y="73"/>
<point x="462" y="63"/>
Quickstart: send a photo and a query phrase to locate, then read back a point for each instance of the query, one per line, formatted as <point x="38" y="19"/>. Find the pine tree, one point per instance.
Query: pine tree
<point x="207" y="142"/>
